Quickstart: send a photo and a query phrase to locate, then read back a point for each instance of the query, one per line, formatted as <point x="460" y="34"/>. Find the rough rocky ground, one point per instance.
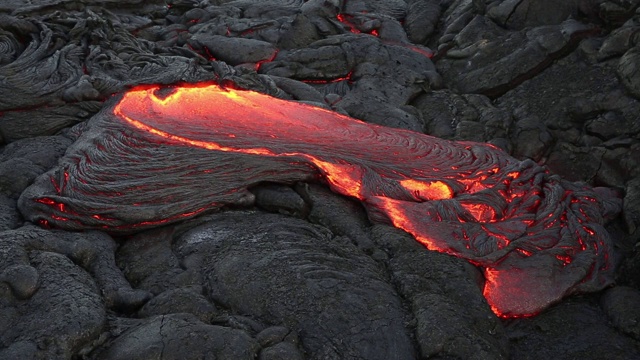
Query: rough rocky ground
<point x="302" y="273"/>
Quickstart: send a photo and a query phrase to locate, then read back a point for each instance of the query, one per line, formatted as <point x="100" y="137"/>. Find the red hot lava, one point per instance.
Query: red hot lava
<point x="164" y="154"/>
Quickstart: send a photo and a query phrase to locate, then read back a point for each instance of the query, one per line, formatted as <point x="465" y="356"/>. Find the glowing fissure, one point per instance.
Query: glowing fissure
<point x="346" y="19"/>
<point x="161" y="155"/>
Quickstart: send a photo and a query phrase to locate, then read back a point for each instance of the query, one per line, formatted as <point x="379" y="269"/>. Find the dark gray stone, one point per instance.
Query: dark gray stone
<point x="180" y="336"/>
<point x="63" y="315"/>
<point x="621" y="306"/>
<point x="517" y="14"/>
<point x="574" y="163"/>
<point x="92" y="250"/>
<point x="631" y="204"/>
<point x="234" y="51"/>
<point x="531" y="138"/>
<point x="281" y="351"/>
<point x="343" y="305"/>
<point x="22" y="161"/>
<point x="629" y="71"/>
<point x="272" y="335"/>
<point x="181" y="300"/>
<point x="452" y="319"/>
<point x="9" y="216"/>
<point x="422" y="19"/>
<point x="340" y="215"/>
<point x="281" y="199"/>
<point x="572" y="330"/>
<point x="149" y="262"/>
<point x="488" y="60"/>
<point x="463" y="117"/>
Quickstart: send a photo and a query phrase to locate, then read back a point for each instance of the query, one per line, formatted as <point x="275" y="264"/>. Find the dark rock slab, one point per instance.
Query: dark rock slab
<point x="281" y="351"/>
<point x="629" y="71"/>
<point x="451" y="317"/>
<point x="619" y="41"/>
<point x="234" y="51"/>
<point x="9" y="216"/>
<point x="281" y="199"/>
<point x="93" y="251"/>
<point x="59" y="60"/>
<point x="63" y="316"/>
<point x="631" y="205"/>
<point x="621" y="306"/>
<point x="22" y="161"/>
<point x="343" y="305"/>
<point x="486" y="59"/>
<point x="518" y="14"/>
<point x="304" y="28"/>
<point x="340" y="215"/>
<point x="463" y="117"/>
<point x="298" y="89"/>
<point x="180" y="336"/>
<point x="421" y="20"/>
<point x="630" y="270"/>
<point x="149" y="262"/>
<point x="35" y="6"/>
<point x="181" y="300"/>
<point x="576" y="162"/>
<point x="572" y="330"/>
<point x="317" y="61"/>
<point x="592" y="122"/>
<point x="44" y="121"/>
<point x="392" y="8"/>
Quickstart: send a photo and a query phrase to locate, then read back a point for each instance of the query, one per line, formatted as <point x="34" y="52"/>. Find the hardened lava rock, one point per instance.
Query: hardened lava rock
<point x="161" y="155"/>
<point x="342" y="305"/>
<point x="550" y="81"/>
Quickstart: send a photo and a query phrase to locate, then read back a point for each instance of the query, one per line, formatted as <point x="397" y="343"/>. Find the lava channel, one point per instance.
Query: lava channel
<point x="164" y="154"/>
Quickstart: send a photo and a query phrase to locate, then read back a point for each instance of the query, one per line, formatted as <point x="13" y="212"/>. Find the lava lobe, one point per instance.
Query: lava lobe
<point x="160" y="155"/>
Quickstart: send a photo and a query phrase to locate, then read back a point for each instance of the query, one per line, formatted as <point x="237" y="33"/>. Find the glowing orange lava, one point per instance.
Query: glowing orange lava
<point x="147" y="163"/>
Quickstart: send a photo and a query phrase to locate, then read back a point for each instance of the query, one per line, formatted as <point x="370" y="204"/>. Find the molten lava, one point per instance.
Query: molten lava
<point x="160" y="155"/>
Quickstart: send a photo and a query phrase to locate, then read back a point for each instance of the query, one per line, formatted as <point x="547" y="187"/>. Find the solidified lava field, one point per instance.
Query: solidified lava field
<point x="289" y="179"/>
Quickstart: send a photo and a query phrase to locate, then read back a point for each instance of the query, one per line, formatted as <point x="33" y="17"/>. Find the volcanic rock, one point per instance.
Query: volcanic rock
<point x="567" y="323"/>
<point x="336" y="285"/>
<point x="281" y="199"/>
<point x="64" y="315"/>
<point x="488" y="60"/>
<point x="422" y="19"/>
<point x="517" y="14"/>
<point x="629" y="72"/>
<point x="620" y="304"/>
<point x="484" y="205"/>
<point x="233" y="51"/>
<point x="180" y="300"/>
<point x="555" y="82"/>
<point x="180" y="336"/>
<point x="451" y="319"/>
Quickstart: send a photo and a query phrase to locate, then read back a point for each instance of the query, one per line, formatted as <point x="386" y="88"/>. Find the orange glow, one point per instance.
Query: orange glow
<point x="436" y="190"/>
<point x="466" y="199"/>
<point x="518" y="290"/>
<point x="481" y="212"/>
<point x="400" y="219"/>
<point x="346" y="178"/>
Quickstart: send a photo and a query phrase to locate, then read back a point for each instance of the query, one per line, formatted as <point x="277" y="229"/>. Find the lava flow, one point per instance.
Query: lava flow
<point x="160" y="155"/>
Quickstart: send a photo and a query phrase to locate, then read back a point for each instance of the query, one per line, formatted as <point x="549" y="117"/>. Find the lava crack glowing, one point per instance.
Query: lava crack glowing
<point x="161" y="155"/>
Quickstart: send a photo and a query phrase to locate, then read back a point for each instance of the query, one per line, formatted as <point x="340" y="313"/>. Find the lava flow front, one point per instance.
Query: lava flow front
<point x="160" y="155"/>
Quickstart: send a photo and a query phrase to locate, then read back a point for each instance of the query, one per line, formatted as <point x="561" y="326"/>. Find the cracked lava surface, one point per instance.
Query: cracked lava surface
<point x="536" y="237"/>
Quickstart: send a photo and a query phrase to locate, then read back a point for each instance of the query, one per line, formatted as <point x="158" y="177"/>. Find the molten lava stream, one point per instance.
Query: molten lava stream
<point x="523" y="226"/>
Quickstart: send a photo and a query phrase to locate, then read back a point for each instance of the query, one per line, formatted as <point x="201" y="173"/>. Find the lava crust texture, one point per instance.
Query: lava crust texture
<point x="160" y="155"/>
